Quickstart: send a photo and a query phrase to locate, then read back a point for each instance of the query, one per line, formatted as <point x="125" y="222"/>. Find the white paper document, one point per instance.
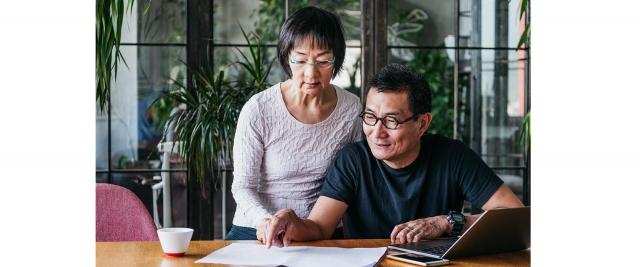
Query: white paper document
<point x="259" y="255"/>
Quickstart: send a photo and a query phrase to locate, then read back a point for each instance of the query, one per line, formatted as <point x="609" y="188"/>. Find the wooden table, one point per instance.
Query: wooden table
<point x="150" y="253"/>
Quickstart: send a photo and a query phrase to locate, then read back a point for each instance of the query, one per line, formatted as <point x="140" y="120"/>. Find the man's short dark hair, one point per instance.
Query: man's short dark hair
<point x="400" y="78"/>
<point x="322" y="27"/>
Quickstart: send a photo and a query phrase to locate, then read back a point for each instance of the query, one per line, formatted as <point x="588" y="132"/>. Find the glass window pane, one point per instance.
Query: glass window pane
<point x="160" y="21"/>
<point x="437" y="68"/>
<point x="101" y="178"/>
<point x="491" y="104"/>
<point x="420" y="23"/>
<point x="130" y="25"/>
<point x="349" y="77"/>
<point x="102" y="131"/>
<point x="226" y="57"/>
<point x="136" y="120"/>
<point x="263" y="17"/>
<point x="165" y="21"/>
<point x="489" y="23"/>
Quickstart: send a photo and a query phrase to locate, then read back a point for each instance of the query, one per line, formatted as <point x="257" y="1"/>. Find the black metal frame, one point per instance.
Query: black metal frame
<point x="373" y="24"/>
<point x="200" y="211"/>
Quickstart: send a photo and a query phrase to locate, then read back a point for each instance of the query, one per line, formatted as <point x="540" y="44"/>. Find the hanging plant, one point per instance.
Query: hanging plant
<point x="109" y="17"/>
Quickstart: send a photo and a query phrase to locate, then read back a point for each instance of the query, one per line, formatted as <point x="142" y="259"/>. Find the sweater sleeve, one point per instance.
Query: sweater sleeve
<point x="248" y="150"/>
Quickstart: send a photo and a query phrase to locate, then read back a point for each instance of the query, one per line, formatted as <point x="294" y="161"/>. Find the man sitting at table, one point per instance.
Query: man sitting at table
<point x="401" y="183"/>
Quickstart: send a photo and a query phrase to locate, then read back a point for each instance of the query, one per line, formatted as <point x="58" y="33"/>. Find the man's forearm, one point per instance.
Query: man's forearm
<point x="308" y="230"/>
<point x="286" y="226"/>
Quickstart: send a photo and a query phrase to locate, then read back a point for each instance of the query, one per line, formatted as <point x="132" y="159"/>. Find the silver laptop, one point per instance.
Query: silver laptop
<point x="495" y="231"/>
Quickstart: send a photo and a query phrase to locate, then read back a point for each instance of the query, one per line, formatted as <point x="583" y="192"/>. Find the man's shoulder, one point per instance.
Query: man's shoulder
<point x="356" y="149"/>
<point x="440" y="142"/>
<point x="353" y="154"/>
<point x="443" y="147"/>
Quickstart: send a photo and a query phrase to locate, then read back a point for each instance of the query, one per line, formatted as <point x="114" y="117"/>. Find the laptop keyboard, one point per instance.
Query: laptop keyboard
<point x="439" y="250"/>
<point x="433" y="247"/>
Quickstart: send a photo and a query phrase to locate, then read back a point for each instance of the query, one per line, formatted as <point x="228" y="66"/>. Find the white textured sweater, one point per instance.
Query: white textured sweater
<point x="280" y="162"/>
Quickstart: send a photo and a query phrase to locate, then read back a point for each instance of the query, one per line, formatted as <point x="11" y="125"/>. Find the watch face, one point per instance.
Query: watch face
<point x="457" y="217"/>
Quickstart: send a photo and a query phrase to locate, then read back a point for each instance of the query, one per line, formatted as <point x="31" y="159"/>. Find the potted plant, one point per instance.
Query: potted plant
<point x="206" y="126"/>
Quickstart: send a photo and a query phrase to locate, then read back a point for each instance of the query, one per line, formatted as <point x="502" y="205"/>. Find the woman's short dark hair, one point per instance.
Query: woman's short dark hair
<point x="400" y="78"/>
<point x="323" y="27"/>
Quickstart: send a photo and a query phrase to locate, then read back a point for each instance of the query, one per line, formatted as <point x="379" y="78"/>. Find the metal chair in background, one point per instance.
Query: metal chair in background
<point x="167" y="149"/>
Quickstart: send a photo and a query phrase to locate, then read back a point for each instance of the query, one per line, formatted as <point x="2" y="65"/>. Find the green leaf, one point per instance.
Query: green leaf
<point x="523" y="7"/>
<point x="109" y="18"/>
<point x="524" y="132"/>
<point x="524" y="38"/>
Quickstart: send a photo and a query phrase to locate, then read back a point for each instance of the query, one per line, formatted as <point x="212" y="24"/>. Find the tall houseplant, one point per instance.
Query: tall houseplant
<point x="109" y="17"/>
<point x="206" y="127"/>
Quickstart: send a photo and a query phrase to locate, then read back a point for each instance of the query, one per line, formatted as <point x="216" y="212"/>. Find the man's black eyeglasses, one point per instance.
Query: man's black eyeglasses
<point x="388" y="122"/>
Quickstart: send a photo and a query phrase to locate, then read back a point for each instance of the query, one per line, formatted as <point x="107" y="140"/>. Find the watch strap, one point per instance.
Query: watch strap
<point x="457" y="220"/>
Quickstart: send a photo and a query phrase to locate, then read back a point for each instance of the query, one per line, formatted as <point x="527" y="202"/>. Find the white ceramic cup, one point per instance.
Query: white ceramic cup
<point x="175" y="241"/>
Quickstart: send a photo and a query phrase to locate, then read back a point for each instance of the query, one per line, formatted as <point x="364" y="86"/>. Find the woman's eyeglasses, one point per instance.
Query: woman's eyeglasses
<point x="323" y="64"/>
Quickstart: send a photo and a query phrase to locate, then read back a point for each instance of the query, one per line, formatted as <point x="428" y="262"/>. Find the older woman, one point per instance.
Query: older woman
<point x="288" y="134"/>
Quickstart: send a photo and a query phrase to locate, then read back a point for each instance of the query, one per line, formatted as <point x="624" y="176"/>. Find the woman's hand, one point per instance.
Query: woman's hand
<point x="278" y="230"/>
<point x="261" y="229"/>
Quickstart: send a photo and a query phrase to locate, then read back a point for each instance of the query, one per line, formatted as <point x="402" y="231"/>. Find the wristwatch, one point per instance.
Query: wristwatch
<point x="457" y="220"/>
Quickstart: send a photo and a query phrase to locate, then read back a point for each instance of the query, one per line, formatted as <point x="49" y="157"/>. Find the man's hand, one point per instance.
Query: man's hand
<point x="416" y="230"/>
<point x="279" y="228"/>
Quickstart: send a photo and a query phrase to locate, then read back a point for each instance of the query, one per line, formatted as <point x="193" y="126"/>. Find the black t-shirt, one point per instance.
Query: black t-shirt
<point x="445" y="173"/>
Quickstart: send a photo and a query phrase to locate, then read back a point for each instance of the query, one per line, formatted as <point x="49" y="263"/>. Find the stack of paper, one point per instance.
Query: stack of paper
<point x="254" y="254"/>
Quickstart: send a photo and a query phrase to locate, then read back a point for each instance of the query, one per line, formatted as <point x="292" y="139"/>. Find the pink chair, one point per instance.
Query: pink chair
<point x="121" y="216"/>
